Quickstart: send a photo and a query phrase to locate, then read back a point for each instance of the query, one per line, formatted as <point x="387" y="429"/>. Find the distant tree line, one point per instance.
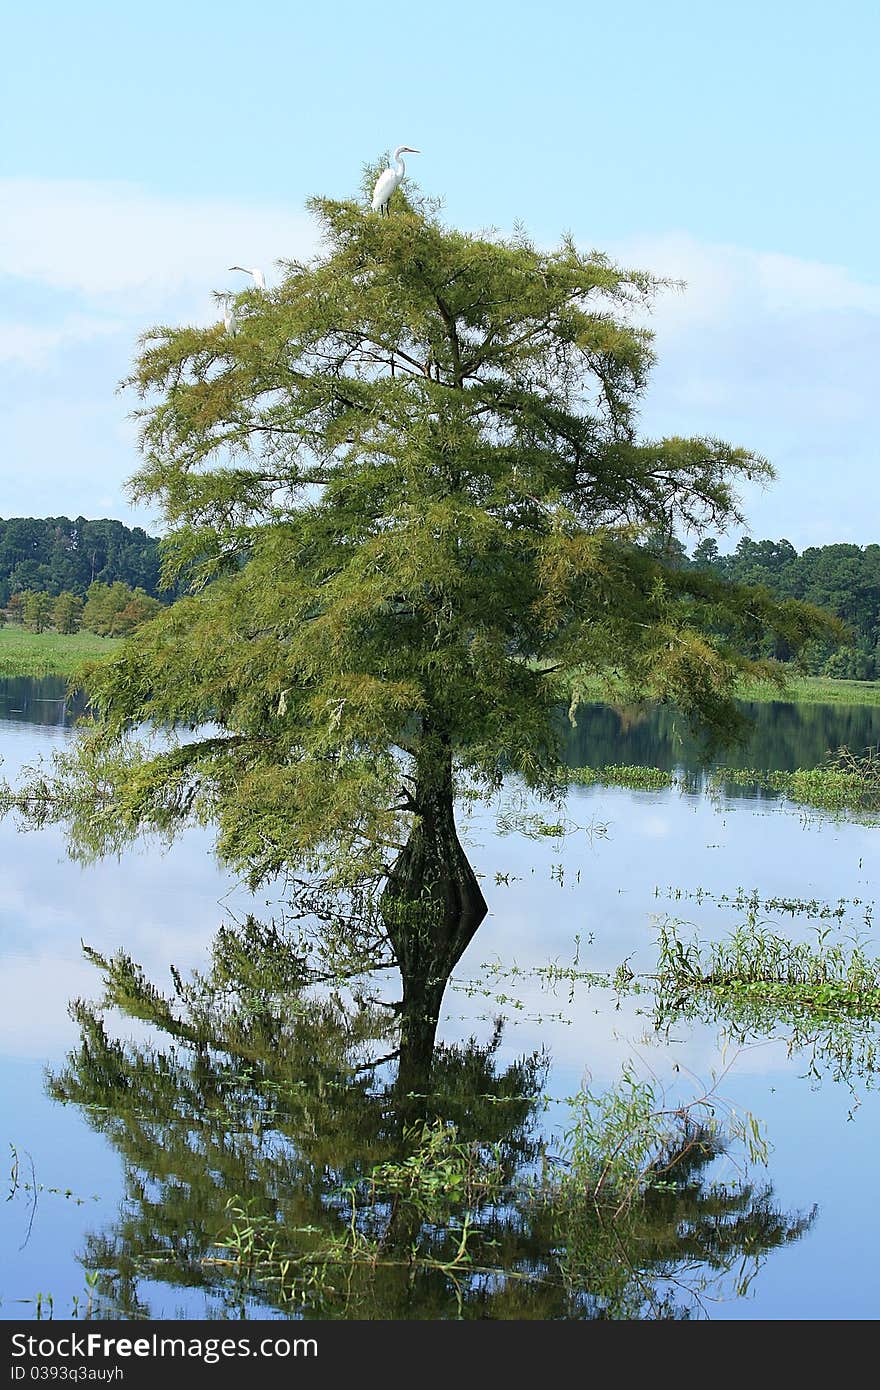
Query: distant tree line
<point x="54" y="555"/>
<point x="110" y="610"/>
<point x="843" y="579"/>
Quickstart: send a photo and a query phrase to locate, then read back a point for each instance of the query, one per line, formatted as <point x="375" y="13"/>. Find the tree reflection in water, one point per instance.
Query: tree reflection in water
<point x="272" y="1163"/>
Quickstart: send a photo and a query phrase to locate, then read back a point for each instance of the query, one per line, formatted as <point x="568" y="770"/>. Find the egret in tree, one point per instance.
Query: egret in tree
<point x="390" y="178"/>
<point x="258" y="276"/>
<point x="230" y="321"/>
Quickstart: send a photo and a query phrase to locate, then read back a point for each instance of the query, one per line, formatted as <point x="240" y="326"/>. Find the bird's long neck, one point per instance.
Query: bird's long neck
<point x="401" y="167"/>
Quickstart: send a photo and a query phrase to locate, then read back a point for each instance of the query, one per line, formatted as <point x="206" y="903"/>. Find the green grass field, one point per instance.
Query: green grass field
<point x="802" y="690"/>
<point x="25" y="653"/>
<point x="817" y="690"/>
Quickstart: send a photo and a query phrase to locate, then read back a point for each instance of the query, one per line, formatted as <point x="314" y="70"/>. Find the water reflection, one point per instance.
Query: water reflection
<point x="187" y="1127"/>
<point x="271" y="1163"/>
<point x="46" y="702"/>
<point x="783" y="737"/>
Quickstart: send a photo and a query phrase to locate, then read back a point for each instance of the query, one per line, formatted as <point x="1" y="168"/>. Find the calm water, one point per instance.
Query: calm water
<point x="629" y="857"/>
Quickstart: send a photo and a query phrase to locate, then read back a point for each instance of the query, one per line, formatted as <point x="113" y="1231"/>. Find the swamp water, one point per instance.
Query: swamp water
<point x="121" y="1159"/>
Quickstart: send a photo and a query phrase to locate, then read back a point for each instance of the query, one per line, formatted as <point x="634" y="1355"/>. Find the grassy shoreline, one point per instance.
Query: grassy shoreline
<point x="815" y="690"/>
<point x="39" y="654"/>
<point x="801" y="690"/>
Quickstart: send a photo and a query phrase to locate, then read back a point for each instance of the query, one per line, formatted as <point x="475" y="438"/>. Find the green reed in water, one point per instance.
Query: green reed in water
<point x="752" y="901"/>
<point x="755" y="963"/>
<point x="845" y="781"/>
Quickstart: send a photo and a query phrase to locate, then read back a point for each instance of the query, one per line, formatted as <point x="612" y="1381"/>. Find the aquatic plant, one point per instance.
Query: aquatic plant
<point x="756" y="963"/>
<point x="845" y="781"/>
<point x="821" y="1000"/>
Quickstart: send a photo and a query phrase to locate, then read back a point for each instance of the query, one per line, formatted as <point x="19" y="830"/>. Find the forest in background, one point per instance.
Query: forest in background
<point x="843" y="579"/>
<point x="55" y="555"/>
<point x="67" y="575"/>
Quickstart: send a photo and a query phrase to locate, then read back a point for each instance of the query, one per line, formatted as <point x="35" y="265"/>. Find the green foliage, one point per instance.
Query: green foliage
<point x="407" y="495"/>
<point x="618" y="775"/>
<point x="844" y="579"/>
<point x="270" y="1161"/>
<point x="15" y="607"/>
<point x="112" y="611"/>
<point x="67" y="613"/>
<point x="115" y="610"/>
<point x="787" y="686"/>
<point x="37" y="611"/>
<point x="822" y="1000"/>
<point x="755" y="963"/>
<point x="845" y="781"/>
<point x="629" y="1138"/>
<point x="439" y="1171"/>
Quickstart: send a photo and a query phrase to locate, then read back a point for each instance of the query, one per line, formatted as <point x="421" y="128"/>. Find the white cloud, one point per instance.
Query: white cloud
<point x="792" y="285"/>
<point x="777" y="354"/>
<point x="85" y="268"/>
<point x="724" y="282"/>
<point x="33" y="346"/>
<point x="765" y="336"/>
<point x="113" y="238"/>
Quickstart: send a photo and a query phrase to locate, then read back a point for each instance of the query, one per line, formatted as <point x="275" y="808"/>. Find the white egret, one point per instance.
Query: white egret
<point x="258" y="276"/>
<point x="230" y="322"/>
<point x="390" y="178"/>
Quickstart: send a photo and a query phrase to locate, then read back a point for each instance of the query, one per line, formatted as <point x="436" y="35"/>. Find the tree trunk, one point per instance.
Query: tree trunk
<point x="432" y="906"/>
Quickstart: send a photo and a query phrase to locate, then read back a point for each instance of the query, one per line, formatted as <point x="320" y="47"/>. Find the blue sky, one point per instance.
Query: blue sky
<point x="143" y="149"/>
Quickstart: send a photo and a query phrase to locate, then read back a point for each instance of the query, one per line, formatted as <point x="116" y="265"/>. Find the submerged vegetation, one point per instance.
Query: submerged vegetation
<point x="619" y="775"/>
<point x="846" y="781"/>
<point x="755" y="903"/>
<point x="821" y="1002"/>
<point x="596" y="1231"/>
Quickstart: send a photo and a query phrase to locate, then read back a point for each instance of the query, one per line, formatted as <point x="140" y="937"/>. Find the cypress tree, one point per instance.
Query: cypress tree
<point x="409" y="497"/>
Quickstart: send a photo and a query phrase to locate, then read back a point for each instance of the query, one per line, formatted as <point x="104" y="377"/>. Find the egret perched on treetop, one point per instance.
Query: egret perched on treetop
<point x="259" y="277"/>
<point x="390" y="178"/>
